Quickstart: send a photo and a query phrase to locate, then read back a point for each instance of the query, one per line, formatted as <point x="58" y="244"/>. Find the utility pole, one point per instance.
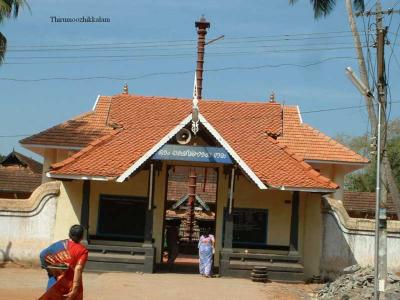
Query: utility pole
<point x="381" y="190"/>
<point x="380" y="262"/>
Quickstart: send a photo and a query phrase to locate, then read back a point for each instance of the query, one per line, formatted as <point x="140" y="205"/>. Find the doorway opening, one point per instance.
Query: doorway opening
<point x="190" y="211"/>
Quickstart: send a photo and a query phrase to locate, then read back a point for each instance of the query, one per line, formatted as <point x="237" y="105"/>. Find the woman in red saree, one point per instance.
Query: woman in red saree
<point x="64" y="262"/>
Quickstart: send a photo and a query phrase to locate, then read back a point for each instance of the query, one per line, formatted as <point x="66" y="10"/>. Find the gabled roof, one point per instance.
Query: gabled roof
<point x="17" y="159"/>
<point x="312" y="145"/>
<point x="246" y="129"/>
<point x="77" y="132"/>
<point x="19" y="173"/>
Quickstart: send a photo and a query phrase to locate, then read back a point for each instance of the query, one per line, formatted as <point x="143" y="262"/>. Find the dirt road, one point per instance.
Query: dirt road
<point x="18" y="283"/>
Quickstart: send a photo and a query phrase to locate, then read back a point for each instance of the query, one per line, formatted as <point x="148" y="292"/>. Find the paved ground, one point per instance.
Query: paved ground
<point x="20" y="283"/>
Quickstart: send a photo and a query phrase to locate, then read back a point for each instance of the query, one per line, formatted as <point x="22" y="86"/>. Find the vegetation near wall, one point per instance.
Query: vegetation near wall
<point x="365" y="179"/>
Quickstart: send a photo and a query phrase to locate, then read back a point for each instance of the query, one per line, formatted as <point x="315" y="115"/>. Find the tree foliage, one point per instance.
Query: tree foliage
<point x="322" y="8"/>
<point x="365" y="180"/>
<point x="8" y="9"/>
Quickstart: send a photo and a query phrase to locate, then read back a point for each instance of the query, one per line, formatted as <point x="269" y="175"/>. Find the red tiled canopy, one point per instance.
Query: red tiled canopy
<point x="131" y="125"/>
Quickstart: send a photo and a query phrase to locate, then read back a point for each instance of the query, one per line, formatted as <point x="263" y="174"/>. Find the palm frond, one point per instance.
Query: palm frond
<point x="10" y="8"/>
<point x="322" y="8"/>
<point x="3" y="47"/>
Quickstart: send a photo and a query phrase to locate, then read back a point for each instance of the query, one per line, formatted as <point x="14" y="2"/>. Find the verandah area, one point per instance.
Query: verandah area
<point x="263" y="227"/>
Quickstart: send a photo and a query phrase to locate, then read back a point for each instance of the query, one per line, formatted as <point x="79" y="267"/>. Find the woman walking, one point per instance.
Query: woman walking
<point x="64" y="262"/>
<point x="206" y="251"/>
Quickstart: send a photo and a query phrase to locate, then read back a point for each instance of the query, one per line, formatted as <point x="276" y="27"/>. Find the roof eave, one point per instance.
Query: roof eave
<point x="306" y="189"/>
<point x="336" y="162"/>
<point x="51" y="146"/>
<point x="78" y="177"/>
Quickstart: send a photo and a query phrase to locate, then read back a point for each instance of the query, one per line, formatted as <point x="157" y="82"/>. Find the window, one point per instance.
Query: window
<point x="249" y="227"/>
<point x="122" y="218"/>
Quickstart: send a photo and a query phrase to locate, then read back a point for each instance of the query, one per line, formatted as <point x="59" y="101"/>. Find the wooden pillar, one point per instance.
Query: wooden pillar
<point x="148" y="228"/>
<point x="228" y="237"/>
<point x="294" y="225"/>
<point x="227" y="249"/>
<point x="85" y="209"/>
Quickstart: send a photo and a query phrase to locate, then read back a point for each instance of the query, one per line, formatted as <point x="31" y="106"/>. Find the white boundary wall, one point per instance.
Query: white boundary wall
<point x="27" y="225"/>
<point x="348" y="241"/>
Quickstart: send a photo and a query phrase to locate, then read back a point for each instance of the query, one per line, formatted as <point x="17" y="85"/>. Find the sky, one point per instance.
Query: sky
<point x="151" y="45"/>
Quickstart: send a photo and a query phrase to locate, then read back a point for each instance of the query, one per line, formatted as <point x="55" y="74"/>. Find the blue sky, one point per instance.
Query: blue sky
<point x="157" y="36"/>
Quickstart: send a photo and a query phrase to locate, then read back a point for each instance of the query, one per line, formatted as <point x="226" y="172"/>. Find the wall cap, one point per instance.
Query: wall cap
<point x="357" y="224"/>
<point x="51" y="188"/>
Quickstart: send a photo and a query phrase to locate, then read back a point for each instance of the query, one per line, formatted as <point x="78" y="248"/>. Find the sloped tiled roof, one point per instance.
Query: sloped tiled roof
<point x="16" y="158"/>
<point x="311" y="144"/>
<point x="365" y="202"/>
<point x="19" y="173"/>
<point x="18" y="179"/>
<point x="77" y="132"/>
<point x="247" y="127"/>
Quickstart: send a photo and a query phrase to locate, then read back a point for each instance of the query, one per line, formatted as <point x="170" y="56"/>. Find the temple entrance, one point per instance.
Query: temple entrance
<point x="190" y="211"/>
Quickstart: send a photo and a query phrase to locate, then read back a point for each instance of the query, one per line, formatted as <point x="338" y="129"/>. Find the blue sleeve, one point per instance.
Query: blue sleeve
<point x="51" y="250"/>
<point x="42" y="257"/>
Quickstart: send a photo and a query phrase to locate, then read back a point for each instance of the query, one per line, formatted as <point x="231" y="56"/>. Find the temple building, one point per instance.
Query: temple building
<point x="250" y="171"/>
<point x="259" y="176"/>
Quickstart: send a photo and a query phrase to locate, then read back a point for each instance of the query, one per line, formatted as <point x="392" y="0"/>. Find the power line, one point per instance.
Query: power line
<point x="185" y="54"/>
<point x="339" y="108"/>
<point x="180" y="72"/>
<point x="163" y="42"/>
<point x="129" y="48"/>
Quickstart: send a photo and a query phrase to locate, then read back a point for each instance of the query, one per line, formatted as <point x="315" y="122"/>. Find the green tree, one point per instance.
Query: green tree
<point x="364" y="180"/>
<point x="322" y="8"/>
<point x="8" y="9"/>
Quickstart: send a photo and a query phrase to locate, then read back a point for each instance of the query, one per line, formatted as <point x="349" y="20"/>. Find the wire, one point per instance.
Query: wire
<point x="370" y="64"/>
<point x="129" y="48"/>
<point x="164" y="42"/>
<point x="184" y="54"/>
<point x="180" y="72"/>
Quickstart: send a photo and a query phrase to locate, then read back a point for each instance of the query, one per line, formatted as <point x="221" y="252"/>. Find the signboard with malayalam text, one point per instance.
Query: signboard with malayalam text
<point x="193" y="153"/>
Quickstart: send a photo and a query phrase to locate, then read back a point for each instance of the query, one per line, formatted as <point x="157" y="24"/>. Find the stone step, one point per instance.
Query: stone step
<point x="108" y="258"/>
<point x="278" y="266"/>
<point x="115" y="248"/>
<point x="265" y="256"/>
<point x="272" y="275"/>
<point x="113" y="257"/>
<point x="98" y="266"/>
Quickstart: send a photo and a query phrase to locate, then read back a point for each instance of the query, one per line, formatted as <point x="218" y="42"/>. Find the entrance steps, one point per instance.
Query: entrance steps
<point x="279" y="267"/>
<point x="122" y="258"/>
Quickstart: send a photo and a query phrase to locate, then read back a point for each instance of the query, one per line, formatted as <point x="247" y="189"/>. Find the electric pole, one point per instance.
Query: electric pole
<point x="380" y="261"/>
<point x="381" y="265"/>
